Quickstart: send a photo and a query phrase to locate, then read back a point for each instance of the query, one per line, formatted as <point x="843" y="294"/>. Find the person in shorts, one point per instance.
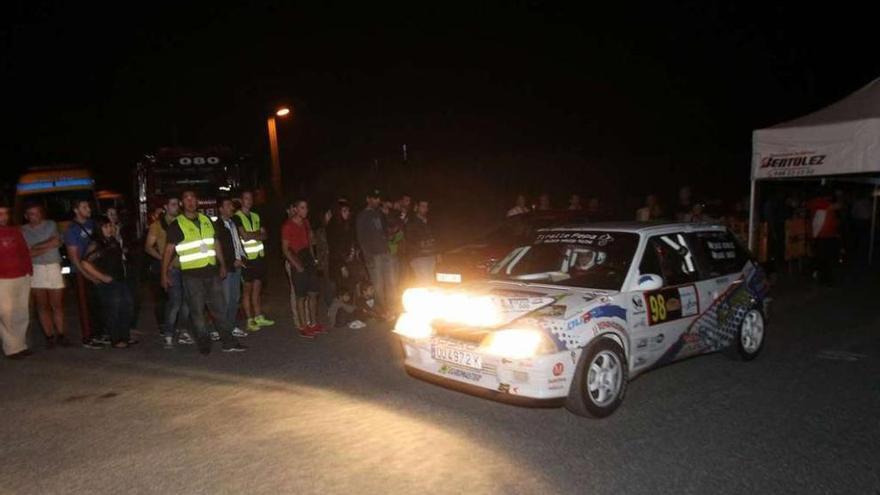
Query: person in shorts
<point x="253" y="273"/>
<point x="47" y="283"/>
<point x="302" y="268"/>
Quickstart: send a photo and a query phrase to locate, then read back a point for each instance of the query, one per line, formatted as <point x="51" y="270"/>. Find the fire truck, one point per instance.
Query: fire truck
<point x="212" y="172"/>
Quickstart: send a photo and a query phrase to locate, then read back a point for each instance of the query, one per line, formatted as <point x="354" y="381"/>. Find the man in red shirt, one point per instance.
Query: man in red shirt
<point x="826" y="235"/>
<point x="15" y="285"/>
<point x="301" y="266"/>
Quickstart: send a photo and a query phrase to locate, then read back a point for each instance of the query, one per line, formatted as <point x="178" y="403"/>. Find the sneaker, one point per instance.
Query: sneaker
<point x="62" y="341"/>
<point x="237" y="332"/>
<point x="252" y="325"/>
<point x="215" y="335"/>
<point x="92" y="344"/>
<point x="306" y="333"/>
<point x="357" y="324"/>
<point x="235" y="348"/>
<point x="185" y="339"/>
<point x="318" y="328"/>
<point x="263" y="321"/>
<point x="50" y="342"/>
<point x="102" y="339"/>
<point x="169" y="342"/>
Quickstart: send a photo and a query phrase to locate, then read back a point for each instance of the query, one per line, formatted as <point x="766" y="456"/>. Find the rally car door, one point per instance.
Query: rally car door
<point x="720" y="260"/>
<point x="660" y="317"/>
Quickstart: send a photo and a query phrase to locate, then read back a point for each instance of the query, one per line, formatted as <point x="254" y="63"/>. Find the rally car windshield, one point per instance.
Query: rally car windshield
<point x="594" y="260"/>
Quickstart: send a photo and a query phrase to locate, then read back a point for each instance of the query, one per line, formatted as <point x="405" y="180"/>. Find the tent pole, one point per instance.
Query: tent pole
<point x="753" y="216"/>
<point x="873" y="226"/>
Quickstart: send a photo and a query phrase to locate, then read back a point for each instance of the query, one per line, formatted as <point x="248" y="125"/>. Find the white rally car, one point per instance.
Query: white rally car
<point x="573" y="316"/>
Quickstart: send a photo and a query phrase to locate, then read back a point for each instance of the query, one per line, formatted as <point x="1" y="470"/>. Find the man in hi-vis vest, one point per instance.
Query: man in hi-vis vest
<point x="252" y="235"/>
<point x="193" y="240"/>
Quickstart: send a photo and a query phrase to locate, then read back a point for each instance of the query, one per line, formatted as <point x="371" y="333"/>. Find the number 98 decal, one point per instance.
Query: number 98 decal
<point x="657" y="306"/>
<point x="671" y="304"/>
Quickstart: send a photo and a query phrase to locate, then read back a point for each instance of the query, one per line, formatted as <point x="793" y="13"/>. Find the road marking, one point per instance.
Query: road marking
<point x="833" y="355"/>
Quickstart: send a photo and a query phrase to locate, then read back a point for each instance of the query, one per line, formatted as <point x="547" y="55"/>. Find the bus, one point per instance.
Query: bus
<point x="55" y="188"/>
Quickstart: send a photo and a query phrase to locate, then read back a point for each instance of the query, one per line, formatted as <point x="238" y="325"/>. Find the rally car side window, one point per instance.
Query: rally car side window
<point x="669" y="256"/>
<point x="719" y="252"/>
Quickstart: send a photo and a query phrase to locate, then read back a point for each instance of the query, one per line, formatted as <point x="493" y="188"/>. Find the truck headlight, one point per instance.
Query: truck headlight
<point x="517" y="343"/>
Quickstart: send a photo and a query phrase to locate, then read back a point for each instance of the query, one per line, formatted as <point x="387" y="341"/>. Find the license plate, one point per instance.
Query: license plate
<point x="457" y="356"/>
<point x="449" y="278"/>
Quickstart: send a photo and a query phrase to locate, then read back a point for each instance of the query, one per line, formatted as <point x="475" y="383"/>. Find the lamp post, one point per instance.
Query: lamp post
<point x="273" y="149"/>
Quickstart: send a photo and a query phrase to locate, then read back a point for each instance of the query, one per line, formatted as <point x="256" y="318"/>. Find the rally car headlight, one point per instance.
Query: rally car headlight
<point x="410" y="325"/>
<point x="451" y="306"/>
<point x="517" y="343"/>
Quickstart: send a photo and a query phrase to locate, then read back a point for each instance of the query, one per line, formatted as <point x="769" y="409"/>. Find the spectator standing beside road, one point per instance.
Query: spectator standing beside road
<point x="405" y="206"/>
<point x="301" y="267"/>
<point x="193" y="239"/>
<point x="594" y="210"/>
<point x="520" y="207"/>
<point x="685" y="204"/>
<point x="396" y="247"/>
<point x="132" y="259"/>
<point x="321" y="249"/>
<point x="374" y="246"/>
<point x="698" y="214"/>
<point x="47" y="283"/>
<point x="341" y="247"/>
<point x="651" y="211"/>
<point x="252" y="234"/>
<point x="15" y="283"/>
<point x="104" y="262"/>
<point x="234" y="259"/>
<point x="254" y="272"/>
<point x="544" y="202"/>
<point x="574" y="202"/>
<point x="421" y="245"/>
<point x="175" y="309"/>
<point x="826" y="236"/>
<point x="76" y="239"/>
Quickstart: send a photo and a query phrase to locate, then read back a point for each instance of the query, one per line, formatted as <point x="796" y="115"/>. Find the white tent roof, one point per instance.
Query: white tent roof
<point x="842" y="138"/>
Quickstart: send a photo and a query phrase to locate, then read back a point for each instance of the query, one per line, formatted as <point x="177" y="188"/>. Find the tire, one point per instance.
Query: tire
<point x="750" y="336"/>
<point x="603" y="355"/>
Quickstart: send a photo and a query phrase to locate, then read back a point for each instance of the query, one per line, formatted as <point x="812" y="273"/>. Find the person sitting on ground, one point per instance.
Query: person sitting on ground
<point x="368" y="307"/>
<point x="104" y="262"/>
<point x="343" y="312"/>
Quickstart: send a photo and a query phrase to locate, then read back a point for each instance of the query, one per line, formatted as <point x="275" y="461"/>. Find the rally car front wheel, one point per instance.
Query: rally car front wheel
<point x="600" y="380"/>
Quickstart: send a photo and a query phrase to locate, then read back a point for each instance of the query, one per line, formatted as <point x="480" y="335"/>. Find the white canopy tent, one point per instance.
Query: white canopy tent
<point x="840" y="142"/>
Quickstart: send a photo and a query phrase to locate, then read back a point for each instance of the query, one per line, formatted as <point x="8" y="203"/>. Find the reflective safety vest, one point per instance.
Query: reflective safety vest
<point x="196" y="250"/>
<point x="254" y="247"/>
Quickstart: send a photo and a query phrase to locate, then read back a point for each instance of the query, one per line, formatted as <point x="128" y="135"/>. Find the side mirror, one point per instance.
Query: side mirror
<point x="649" y="281"/>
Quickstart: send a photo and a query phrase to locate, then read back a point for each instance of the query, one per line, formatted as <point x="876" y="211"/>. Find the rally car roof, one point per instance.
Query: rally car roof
<point x="638" y="227"/>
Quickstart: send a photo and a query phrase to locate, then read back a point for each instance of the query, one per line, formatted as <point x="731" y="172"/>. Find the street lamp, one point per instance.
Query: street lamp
<point x="273" y="148"/>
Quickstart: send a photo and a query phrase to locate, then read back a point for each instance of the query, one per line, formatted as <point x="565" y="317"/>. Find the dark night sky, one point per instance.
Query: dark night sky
<point x="621" y="87"/>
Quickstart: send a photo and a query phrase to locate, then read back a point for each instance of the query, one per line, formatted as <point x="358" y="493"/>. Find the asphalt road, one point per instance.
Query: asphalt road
<point x="338" y="415"/>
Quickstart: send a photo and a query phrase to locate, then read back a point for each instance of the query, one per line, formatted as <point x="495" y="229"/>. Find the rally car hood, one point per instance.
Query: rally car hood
<point x="518" y="300"/>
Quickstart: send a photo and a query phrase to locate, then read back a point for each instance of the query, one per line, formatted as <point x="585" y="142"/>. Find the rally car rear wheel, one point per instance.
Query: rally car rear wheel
<point x="600" y="380"/>
<point x="750" y="338"/>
